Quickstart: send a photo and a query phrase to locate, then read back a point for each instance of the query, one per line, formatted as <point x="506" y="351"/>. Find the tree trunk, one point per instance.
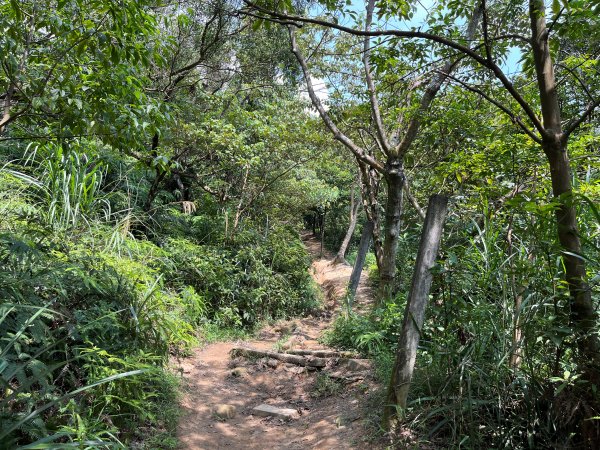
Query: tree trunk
<point x="393" y="214"/>
<point x="377" y="244"/>
<point x="516" y="350"/>
<point x="239" y="210"/>
<point x="363" y="248"/>
<point x="12" y="87"/>
<point x="322" y="233"/>
<point x="554" y="143"/>
<point x="341" y="254"/>
<point x="6" y="108"/>
<point x="583" y="315"/>
<point x="158" y="177"/>
<point x="414" y="314"/>
<point x="370" y="179"/>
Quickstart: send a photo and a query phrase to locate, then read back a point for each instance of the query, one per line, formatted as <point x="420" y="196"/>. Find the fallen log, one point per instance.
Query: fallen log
<point x="347" y="378"/>
<point x="305" y="361"/>
<point x="321" y="353"/>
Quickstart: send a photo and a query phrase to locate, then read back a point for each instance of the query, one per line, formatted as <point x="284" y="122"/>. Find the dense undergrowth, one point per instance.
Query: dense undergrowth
<point x="467" y="391"/>
<point x="96" y="300"/>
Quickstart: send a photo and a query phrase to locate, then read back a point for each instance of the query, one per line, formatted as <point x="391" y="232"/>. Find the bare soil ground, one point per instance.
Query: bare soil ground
<point x="331" y="414"/>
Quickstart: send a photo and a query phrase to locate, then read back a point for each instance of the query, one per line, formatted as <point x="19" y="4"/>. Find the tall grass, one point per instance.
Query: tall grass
<point x="66" y="183"/>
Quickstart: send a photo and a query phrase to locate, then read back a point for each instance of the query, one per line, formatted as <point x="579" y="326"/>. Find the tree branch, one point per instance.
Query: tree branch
<point x="572" y="125"/>
<point x="486" y="38"/>
<point x="517" y="120"/>
<point x="494" y="68"/>
<point x="433" y="88"/>
<point x="413" y="200"/>
<point x="370" y="85"/>
<point x="579" y="80"/>
<point x="337" y="134"/>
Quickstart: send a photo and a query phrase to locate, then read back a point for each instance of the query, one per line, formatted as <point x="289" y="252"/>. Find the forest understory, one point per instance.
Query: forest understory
<point x="170" y="171"/>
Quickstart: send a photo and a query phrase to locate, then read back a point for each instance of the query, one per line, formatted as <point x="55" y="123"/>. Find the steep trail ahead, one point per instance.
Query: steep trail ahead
<point x="325" y="422"/>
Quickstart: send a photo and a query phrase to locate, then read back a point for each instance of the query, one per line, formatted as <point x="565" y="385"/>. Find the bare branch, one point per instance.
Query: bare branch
<point x="432" y="89"/>
<point x="486" y="38"/>
<point x="413" y="200"/>
<point x="337" y="134"/>
<point x="517" y="120"/>
<point x="579" y="80"/>
<point x="370" y="85"/>
<point x="572" y="125"/>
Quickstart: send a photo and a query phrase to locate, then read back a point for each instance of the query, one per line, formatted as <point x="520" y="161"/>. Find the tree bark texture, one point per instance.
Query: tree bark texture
<point x="582" y="312"/>
<point x="369" y="188"/>
<point x="393" y="215"/>
<point x="341" y="254"/>
<point x="554" y="143"/>
<point x="414" y="314"/>
<point x="363" y="248"/>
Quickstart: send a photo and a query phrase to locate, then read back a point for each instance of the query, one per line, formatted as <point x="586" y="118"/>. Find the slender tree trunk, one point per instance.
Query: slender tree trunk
<point x="378" y="243"/>
<point x="413" y="201"/>
<point x="583" y="315"/>
<point x="370" y="179"/>
<point x="363" y="248"/>
<point x="516" y="351"/>
<point x="185" y="192"/>
<point x="240" y="209"/>
<point x="154" y="189"/>
<point x="267" y="227"/>
<point x="6" y="107"/>
<point x="158" y="177"/>
<point x="322" y="232"/>
<point x="554" y="143"/>
<point x="341" y="254"/>
<point x="393" y="215"/>
<point x="12" y="87"/>
<point x="414" y="314"/>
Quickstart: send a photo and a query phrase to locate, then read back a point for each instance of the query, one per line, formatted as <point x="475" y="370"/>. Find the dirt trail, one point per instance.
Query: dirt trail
<point x="325" y="422"/>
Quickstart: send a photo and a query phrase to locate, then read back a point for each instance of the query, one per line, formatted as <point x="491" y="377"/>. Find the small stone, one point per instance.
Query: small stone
<point x="239" y="372"/>
<point x="224" y="411"/>
<point x="265" y="410"/>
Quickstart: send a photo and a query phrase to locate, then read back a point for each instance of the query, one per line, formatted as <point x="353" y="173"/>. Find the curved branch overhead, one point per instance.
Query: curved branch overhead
<point x="482" y="60"/>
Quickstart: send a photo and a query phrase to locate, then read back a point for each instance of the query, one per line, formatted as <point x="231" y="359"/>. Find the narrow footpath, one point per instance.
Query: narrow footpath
<point x="329" y="408"/>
